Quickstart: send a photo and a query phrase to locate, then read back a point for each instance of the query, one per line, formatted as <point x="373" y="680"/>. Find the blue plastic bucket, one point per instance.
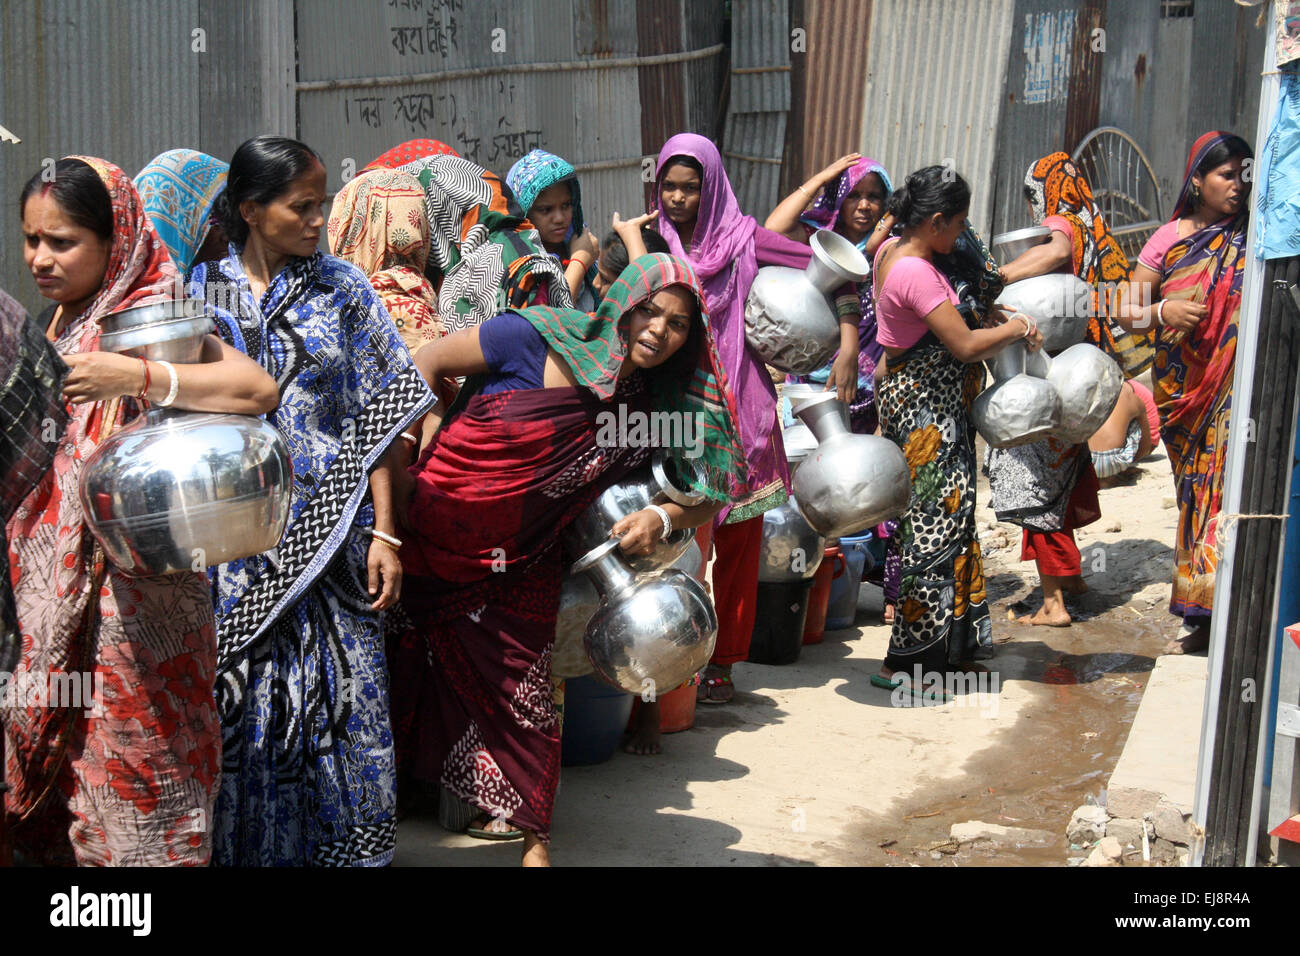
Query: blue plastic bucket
<point x="595" y="716"/>
<point x="842" y="608"/>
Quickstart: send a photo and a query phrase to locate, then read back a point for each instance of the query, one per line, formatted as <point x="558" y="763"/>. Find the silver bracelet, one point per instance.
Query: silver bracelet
<point x="173" y="388"/>
<point x="411" y="438"/>
<point x="1160" y="312"/>
<point x="388" y="539"/>
<point x="664" y="517"/>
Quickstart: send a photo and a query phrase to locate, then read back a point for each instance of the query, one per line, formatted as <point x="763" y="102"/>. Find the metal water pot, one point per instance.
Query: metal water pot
<point x="579" y="601"/>
<point x="651" y="631"/>
<point x="653" y="485"/>
<point x="1016" y="411"/>
<point x="179" y="491"/>
<point x="1089" y="383"/>
<point x="790" y="322"/>
<point x="791" y="549"/>
<point x="1008" y="246"/>
<point x="1015" y="359"/>
<point x="1061" y="304"/>
<point x="849" y="482"/>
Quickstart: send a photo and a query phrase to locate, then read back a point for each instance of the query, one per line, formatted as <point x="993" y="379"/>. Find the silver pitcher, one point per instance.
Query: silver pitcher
<point x="1089" y="383"/>
<point x="578" y="602"/>
<point x="792" y="550"/>
<point x="651" y="631"/>
<point x="1060" y="302"/>
<point x="1016" y="411"/>
<point x="789" y="320"/>
<point x="652" y="485"/>
<point x="849" y="482"/>
<point x="179" y="491"/>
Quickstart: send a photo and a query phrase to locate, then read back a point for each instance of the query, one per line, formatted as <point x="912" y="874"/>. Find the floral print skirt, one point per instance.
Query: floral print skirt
<point x="942" y="614"/>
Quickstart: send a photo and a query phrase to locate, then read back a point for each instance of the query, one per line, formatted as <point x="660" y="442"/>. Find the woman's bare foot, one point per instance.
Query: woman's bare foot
<point x="1074" y="585"/>
<point x="1190" y="641"/>
<point x="1047" y="617"/>
<point x="536" y="852"/>
<point x="643" y="738"/>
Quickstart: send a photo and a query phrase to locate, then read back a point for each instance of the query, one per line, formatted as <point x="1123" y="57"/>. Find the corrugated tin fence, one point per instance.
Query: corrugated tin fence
<point x="495" y="81"/>
<point x="127" y="81"/>
<point x="758" y="105"/>
<point x="601" y="83"/>
<point x="933" y="80"/>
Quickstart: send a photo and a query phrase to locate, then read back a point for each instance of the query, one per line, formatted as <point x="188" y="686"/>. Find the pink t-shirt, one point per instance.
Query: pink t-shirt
<point x="1153" y="253"/>
<point x="913" y="289"/>
<point x="1060" y="224"/>
<point x="1149" y="401"/>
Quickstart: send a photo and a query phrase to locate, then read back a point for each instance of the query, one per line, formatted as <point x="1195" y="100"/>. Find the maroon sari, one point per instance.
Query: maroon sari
<point x="471" y="691"/>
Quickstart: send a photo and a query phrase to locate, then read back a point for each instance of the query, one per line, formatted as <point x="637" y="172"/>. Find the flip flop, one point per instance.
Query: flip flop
<point x="480" y="833"/>
<point x="935" y="696"/>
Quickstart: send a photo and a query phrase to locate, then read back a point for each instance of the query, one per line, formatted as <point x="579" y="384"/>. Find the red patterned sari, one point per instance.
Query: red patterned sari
<point x="125" y="775"/>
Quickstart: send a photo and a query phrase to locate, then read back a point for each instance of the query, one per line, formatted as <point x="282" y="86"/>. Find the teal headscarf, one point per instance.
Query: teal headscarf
<point x="539" y="171"/>
<point x="178" y="189"/>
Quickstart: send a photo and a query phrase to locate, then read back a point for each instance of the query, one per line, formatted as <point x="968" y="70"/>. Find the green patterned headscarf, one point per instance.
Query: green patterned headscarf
<point x="594" y="346"/>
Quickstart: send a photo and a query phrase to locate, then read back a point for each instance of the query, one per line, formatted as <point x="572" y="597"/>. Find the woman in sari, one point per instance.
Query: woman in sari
<point x="1187" y="286"/>
<point x="698" y="215"/>
<point x="486" y="256"/>
<point x="179" y="189"/>
<point x="932" y="376"/>
<point x="506" y="473"/>
<point x="307" y="770"/>
<point x="548" y="191"/>
<point x="378" y="223"/>
<point x="128" y="778"/>
<point x="1049" y="487"/>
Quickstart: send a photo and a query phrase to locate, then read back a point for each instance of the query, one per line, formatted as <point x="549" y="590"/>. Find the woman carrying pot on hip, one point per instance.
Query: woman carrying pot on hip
<point x="129" y="779"/>
<point x="933" y="374"/>
<point x="517" y="459"/>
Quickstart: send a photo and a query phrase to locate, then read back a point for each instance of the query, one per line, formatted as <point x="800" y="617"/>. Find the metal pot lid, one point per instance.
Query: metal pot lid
<point x="1018" y="235"/>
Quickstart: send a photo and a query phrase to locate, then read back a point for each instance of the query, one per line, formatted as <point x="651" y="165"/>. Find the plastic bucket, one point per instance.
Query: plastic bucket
<point x="676" y="709"/>
<point x="842" y="606"/>
<point x="779" y="622"/>
<point x="595" y="715"/>
<point x="833" y="566"/>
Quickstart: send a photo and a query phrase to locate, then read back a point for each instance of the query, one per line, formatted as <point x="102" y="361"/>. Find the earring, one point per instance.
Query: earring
<point x="1196" y="193"/>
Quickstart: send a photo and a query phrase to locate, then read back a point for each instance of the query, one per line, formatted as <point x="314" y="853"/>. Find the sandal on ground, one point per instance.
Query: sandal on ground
<point x="716" y="689"/>
<point x="479" y="829"/>
<point x="887" y="613"/>
<point x="929" y="696"/>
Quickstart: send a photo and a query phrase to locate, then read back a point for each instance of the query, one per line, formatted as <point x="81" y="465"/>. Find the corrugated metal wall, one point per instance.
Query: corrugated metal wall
<point x="496" y="81"/>
<point x="933" y="93"/>
<point x="833" y="71"/>
<point x="1043" y="70"/>
<point x="127" y="81"/>
<point x="758" y="105"/>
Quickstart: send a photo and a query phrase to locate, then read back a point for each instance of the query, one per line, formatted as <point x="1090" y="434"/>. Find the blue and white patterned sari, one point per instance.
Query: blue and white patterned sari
<point x="308" y="772"/>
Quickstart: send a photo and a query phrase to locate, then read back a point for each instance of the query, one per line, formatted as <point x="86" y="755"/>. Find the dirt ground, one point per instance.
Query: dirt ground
<point x="812" y="765"/>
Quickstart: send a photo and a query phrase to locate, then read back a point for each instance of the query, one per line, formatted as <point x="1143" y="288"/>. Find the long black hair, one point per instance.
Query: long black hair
<point x="927" y="191"/>
<point x="261" y="169"/>
<point x="79" y="191"/>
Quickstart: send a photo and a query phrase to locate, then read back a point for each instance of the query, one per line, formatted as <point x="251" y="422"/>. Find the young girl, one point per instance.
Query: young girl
<point x="548" y="191"/>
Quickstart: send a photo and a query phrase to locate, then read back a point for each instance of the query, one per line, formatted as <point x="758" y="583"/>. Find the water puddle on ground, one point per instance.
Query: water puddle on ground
<point x="1086" y="681"/>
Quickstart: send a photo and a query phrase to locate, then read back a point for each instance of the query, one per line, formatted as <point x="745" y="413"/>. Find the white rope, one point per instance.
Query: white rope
<point x="1226" y="524"/>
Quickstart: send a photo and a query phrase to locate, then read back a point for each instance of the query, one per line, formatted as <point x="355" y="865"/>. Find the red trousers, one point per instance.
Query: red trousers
<point x="1055" y="551"/>
<point x="735" y="587"/>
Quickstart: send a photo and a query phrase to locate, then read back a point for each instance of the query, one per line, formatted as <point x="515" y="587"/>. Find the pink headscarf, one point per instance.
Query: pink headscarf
<point x="725" y="251"/>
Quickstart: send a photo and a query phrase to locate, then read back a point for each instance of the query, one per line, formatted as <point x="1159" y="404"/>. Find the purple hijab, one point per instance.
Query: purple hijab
<point x="825" y="212"/>
<point x="727" y="248"/>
